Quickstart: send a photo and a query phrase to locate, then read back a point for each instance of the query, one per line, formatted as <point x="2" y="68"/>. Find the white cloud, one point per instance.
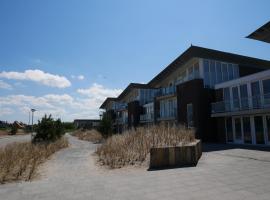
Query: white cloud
<point x="99" y="92"/>
<point x="4" y="85"/>
<point x="79" y="77"/>
<point x="39" y="76"/>
<point x="5" y="111"/>
<point x="64" y="106"/>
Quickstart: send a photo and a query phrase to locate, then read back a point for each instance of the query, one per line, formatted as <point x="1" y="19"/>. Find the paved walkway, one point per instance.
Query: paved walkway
<point x="221" y="174"/>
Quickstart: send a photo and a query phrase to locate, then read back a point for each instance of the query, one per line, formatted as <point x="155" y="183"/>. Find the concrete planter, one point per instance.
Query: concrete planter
<point x="179" y="156"/>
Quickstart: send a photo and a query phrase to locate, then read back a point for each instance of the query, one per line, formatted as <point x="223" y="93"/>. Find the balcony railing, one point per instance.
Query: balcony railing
<point x="147" y="117"/>
<point x="121" y="106"/>
<point x="172" y="114"/>
<point x="166" y="91"/>
<point x="121" y="120"/>
<point x="249" y="103"/>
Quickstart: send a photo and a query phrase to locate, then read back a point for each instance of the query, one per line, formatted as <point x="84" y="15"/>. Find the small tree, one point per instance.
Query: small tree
<point x="14" y="129"/>
<point x="105" y="126"/>
<point x="48" y="129"/>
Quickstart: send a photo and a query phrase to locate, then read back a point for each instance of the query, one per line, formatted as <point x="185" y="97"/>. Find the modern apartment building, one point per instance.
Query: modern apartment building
<point x="224" y="96"/>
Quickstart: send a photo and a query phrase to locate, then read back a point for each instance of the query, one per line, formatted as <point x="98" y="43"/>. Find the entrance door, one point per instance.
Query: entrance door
<point x="238" y="138"/>
<point x="259" y="131"/>
<point x="247" y="130"/>
<point x="267" y="119"/>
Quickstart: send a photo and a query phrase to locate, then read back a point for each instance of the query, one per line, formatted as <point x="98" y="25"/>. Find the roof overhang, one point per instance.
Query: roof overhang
<point x="262" y="33"/>
<point x="107" y="100"/>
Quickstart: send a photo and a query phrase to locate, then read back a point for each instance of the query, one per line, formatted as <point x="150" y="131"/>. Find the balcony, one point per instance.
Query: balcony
<point x="166" y="91"/>
<point x="149" y="117"/>
<point x="249" y="103"/>
<point x="121" y="106"/>
<point x="121" y="120"/>
<point x="169" y="115"/>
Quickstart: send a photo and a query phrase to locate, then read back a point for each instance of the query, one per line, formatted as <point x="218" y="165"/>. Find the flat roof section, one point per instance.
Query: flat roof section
<point x="262" y="33"/>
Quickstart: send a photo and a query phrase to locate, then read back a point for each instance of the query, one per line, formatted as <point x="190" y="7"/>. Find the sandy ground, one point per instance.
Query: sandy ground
<point x="4" y="140"/>
<point x="72" y="173"/>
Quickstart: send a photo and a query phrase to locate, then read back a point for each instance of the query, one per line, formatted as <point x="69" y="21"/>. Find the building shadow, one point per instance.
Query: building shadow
<point x="209" y="147"/>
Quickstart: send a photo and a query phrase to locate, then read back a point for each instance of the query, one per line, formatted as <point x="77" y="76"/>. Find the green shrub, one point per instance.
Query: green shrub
<point x="14" y="129"/>
<point x="106" y="127"/>
<point x="48" y="130"/>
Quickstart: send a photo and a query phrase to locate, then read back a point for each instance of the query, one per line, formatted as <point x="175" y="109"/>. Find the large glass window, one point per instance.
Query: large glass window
<point x="227" y="99"/>
<point x="190" y="115"/>
<point x="256" y="94"/>
<point x="230" y="71"/>
<point x="212" y="73"/>
<point x="258" y="120"/>
<point x="219" y="72"/>
<point x="247" y="130"/>
<point x="244" y="96"/>
<point x="268" y="127"/>
<point x="196" y="70"/>
<point x="229" y="129"/>
<point x="206" y="73"/>
<point x="266" y="91"/>
<point x="235" y="96"/>
<point x="235" y="71"/>
<point x="224" y="72"/>
<point x="238" y="130"/>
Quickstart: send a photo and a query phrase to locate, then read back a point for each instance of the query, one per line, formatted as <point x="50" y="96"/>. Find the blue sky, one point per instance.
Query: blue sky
<point x="108" y="44"/>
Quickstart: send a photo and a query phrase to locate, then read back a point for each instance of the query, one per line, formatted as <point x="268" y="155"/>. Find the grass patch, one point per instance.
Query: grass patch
<point x="88" y="135"/>
<point x="19" y="161"/>
<point x="132" y="147"/>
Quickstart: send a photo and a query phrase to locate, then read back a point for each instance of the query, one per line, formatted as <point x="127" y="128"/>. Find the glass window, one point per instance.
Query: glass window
<point x="212" y="73"/>
<point x="190" y="73"/>
<point x="268" y="127"/>
<point x="229" y="130"/>
<point x="266" y="86"/>
<point x="238" y="131"/>
<point x="196" y="70"/>
<point x="258" y="120"/>
<point x="235" y="71"/>
<point x="224" y="72"/>
<point x="244" y="96"/>
<point x="206" y="73"/>
<point x="219" y="72"/>
<point x="235" y="96"/>
<point x="247" y="130"/>
<point x="230" y="71"/>
<point x="227" y="99"/>
<point x="255" y="91"/>
<point x="190" y="115"/>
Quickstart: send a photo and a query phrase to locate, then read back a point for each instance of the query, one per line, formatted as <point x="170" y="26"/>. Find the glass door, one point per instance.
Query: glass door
<point x="267" y="119"/>
<point x="259" y="131"/>
<point x="229" y="129"/>
<point x="247" y="130"/>
<point x="244" y="97"/>
<point x="235" y="96"/>
<point x="238" y="137"/>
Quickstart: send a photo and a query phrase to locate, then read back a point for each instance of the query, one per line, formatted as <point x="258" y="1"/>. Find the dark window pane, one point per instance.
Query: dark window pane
<point x="238" y="132"/>
<point x="259" y="129"/>
<point x="229" y="129"/>
<point x="256" y="98"/>
<point x="244" y="96"/>
<point x="247" y="130"/>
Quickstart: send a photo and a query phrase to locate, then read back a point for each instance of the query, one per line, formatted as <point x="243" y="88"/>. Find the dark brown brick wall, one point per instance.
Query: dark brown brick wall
<point x="194" y="92"/>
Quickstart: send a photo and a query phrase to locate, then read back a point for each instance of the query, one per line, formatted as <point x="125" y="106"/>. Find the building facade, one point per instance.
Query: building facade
<point x="202" y="89"/>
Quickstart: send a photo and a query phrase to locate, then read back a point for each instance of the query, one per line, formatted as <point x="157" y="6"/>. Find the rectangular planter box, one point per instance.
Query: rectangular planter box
<point x="179" y="156"/>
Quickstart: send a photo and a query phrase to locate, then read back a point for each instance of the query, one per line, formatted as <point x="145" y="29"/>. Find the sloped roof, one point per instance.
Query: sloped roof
<point x="262" y="33"/>
<point x="200" y="52"/>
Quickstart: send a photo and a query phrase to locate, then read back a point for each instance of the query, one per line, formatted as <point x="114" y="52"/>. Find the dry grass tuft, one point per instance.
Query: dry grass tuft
<point x="132" y="147"/>
<point x="19" y="161"/>
<point x="88" y="135"/>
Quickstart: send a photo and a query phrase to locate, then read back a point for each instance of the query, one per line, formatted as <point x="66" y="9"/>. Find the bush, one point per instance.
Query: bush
<point x="106" y="127"/>
<point x="68" y="126"/>
<point x="133" y="146"/>
<point x="14" y="129"/>
<point x="48" y="130"/>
